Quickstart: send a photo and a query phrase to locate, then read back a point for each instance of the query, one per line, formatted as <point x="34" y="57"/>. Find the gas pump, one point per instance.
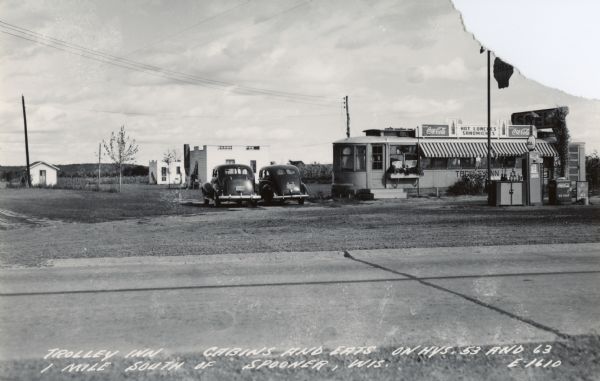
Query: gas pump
<point x="532" y="174"/>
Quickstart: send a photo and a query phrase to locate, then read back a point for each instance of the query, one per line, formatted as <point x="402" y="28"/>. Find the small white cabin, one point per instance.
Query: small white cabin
<point x="43" y="174"/>
<point x="161" y="173"/>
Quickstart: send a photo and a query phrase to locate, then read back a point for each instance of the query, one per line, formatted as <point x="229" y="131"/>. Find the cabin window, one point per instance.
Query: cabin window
<point x="377" y="157"/>
<point x="348" y="158"/>
<point x="361" y="158"/>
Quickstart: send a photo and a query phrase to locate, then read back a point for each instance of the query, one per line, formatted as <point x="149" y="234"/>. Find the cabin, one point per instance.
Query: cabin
<point x="160" y="173"/>
<point x="43" y="174"/>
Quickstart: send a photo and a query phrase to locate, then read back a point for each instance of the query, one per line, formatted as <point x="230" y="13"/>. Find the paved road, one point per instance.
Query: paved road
<point x="439" y="296"/>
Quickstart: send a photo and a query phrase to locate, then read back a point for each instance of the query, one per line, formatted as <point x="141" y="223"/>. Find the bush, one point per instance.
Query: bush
<point x="316" y="173"/>
<point x="471" y="183"/>
<point x="592" y="171"/>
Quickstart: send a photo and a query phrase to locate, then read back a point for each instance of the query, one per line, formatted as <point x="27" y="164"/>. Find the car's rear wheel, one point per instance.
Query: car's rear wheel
<point x="301" y="201"/>
<point x="217" y="201"/>
<point x="206" y="201"/>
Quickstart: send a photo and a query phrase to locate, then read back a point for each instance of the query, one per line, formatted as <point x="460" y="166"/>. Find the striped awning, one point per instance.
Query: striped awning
<point x="479" y="149"/>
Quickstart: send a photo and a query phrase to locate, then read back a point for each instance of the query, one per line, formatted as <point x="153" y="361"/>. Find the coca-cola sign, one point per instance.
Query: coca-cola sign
<point x="435" y="130"/>
<point x="519" y="131"/>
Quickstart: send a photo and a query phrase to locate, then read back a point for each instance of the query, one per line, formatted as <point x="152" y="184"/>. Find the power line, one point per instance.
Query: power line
<point x="284" y="11"/>
<point x="182" y="77"/>
<point x="168" y="115"/>
<point x="184" y="30"/>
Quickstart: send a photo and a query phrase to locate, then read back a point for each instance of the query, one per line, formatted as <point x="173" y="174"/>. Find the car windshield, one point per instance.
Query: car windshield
<point x="286" y="172"/>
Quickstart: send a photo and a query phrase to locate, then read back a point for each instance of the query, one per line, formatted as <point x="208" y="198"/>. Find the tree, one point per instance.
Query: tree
<point x="592" y="170"/>
<point x="169" y="157"/>
<point x="121" y="149"/>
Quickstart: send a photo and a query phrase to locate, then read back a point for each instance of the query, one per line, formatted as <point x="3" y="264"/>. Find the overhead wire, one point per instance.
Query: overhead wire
<point x="100" y="56"/>
<point x="186" y="29"/>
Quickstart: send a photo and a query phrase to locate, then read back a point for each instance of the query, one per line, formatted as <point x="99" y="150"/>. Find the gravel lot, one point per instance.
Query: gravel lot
<point x="39" y="225"/>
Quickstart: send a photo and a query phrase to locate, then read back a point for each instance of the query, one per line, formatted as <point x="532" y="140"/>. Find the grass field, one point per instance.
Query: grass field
<point x="135" y="201"/>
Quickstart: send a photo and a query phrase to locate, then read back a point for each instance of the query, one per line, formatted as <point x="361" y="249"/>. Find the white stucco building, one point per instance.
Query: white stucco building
<point x="161" y="173"/>
<point x="201" y="161"/>
<point x="43" y="174"/>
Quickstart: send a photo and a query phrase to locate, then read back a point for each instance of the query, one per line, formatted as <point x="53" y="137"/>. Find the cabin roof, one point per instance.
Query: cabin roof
<point x="36" y="163"/>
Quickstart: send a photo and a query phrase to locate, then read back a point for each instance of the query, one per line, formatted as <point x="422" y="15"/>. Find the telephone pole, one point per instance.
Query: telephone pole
<point x="489" y="127"/>
<point x="99" y="154"/>
<point x="347" y="107"/>
<point x="26" y="141"/>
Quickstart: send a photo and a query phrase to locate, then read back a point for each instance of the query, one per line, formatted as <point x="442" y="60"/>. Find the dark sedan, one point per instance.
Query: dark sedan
<point x="230" y="182"/>
<point x="281" y="182"/>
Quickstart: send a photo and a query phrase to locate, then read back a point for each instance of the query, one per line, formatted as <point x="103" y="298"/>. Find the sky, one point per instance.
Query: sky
<point x="251" y="72"/>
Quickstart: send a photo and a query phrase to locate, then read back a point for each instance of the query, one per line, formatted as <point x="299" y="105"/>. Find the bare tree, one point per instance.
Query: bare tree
<point x="169" y="157"/>
<point x="121" y="149"/>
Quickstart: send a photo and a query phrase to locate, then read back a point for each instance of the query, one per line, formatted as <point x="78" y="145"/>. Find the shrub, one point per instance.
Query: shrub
<point x="316" y="173"/>
<point x="471" y="183"/>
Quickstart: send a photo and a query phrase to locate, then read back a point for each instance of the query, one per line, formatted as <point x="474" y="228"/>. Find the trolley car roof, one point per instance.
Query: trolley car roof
<point x="375" y="139"/>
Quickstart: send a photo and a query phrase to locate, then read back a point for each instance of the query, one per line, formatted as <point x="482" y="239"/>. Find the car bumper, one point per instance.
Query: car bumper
<point x="243" y="197"/>
<point x="290" y="197"/>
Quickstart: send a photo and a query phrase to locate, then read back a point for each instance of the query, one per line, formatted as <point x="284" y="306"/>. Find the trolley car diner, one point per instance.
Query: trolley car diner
<point x="392" y="162"/>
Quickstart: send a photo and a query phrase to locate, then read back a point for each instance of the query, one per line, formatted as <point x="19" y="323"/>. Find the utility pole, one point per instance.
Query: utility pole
<point x="347" y="116"/>
<point x="99" y="154"/>
<point x="26" y="141"/>
<point x="489" y="133"/>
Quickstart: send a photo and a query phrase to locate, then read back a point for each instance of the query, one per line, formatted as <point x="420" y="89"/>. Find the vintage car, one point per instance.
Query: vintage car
<point x="281" y="182"/>
<point x="230" y="182"/>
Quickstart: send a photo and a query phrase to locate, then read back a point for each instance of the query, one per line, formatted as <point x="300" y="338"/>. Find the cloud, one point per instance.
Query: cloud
<point x="416" y="106"/>
<point x="254" y="132"/>
<point x="454" y="70"/>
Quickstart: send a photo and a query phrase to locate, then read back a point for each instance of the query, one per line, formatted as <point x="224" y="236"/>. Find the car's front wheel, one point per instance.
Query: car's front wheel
<point x="301" y="201"/>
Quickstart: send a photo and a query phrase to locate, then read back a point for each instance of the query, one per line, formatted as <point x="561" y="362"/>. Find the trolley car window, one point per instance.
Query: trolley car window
<point x="439" y="163"/>
<point x="396" y="155"/>
<point x="361" y="158"/>
<point x="347" y="158"/>
<point x="468" y="162"/>
<point x="454" y="163"/>
<point x="377" y="157"/>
